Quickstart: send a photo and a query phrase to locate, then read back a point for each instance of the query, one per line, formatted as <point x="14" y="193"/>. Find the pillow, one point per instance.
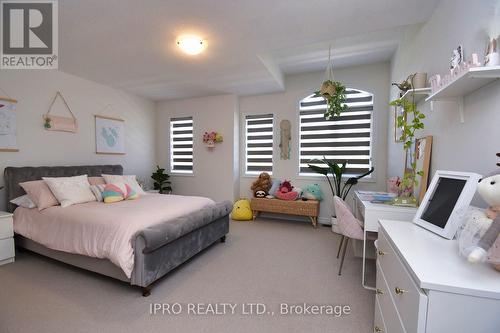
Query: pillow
<point x="70" y="190"/>
<point x="40" y="194"/>
<point x="23" y="201"/>
<point x="118" y="192"/>
<point x="97" y="191"/>
<point x="97" y="181"/>
<point x="130" y="180"/>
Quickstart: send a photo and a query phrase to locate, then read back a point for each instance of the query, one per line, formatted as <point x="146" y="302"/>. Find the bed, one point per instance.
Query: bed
<point x="160" y="245"/>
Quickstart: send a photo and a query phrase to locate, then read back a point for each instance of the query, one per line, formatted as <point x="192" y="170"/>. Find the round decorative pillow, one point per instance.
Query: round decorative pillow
<point x="118" y="192"/>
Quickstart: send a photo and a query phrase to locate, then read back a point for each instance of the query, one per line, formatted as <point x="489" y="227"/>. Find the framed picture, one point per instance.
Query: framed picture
<point x="8" y="125"/>
<point x="109" y="135"/>
<point x="398" y="131"/>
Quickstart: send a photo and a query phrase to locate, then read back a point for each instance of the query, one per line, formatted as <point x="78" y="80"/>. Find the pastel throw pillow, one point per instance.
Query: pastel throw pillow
<point x="70" y="190"/>
<point x="97" y="191"/>
<point x="129" y="179"/>
<point x="118" y="192"/>
<point x="23" y="201"/>
<point x="40" y="194"/>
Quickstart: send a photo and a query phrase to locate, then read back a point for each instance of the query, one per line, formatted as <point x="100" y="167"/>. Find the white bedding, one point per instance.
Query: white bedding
<point x="101" y="230"/>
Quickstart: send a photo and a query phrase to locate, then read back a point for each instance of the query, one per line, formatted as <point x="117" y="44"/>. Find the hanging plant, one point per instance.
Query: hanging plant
<point x="332" y="91"/>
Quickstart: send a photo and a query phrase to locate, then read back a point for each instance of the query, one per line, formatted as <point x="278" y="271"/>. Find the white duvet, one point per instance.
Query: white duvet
<point x="100" y="230"/>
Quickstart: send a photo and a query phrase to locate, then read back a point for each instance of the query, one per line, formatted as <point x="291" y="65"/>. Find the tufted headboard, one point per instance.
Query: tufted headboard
<point x="15" y="175"/>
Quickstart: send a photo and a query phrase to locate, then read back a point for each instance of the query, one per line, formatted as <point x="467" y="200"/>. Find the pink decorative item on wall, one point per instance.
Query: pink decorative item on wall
<point x="211" y="138"/>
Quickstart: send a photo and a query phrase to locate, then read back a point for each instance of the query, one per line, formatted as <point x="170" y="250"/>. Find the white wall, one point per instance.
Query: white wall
<point x="34" y="90"/>
<point x="462" y="147"/>
<point x="372" y="78"/>
<point x="215" y="175"/>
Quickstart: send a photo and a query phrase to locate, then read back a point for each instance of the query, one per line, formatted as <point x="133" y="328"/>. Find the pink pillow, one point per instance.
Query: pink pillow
<point x="97" y="181"/>
<point x="40" y="194"/>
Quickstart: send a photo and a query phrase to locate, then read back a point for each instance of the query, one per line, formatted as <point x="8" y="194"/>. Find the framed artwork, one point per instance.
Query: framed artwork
<point x="398" y="131"/>
<point x="421" y="150"/>
<point x="8" y="125"/>
<point x="109" y="135"/>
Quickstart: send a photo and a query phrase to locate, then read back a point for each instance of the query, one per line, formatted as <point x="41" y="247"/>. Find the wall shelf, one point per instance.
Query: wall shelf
<point x="464" y="84"/>
<point x="419" y="94"/>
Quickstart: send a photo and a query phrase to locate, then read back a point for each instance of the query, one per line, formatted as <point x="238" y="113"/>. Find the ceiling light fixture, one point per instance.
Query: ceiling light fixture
<point x="191" y="45"/>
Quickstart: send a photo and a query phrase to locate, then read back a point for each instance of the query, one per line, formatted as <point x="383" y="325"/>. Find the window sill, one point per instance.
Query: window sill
<point x="174" y="174"/>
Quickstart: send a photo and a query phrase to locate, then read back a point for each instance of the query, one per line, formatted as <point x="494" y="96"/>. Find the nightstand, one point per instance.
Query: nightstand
<point x="7" y="253"/>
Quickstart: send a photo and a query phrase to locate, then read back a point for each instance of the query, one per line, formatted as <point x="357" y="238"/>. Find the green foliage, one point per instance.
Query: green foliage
<point x="335" y="172"/>
<point x="161" y="180"/>
<point x="334" y="93"/>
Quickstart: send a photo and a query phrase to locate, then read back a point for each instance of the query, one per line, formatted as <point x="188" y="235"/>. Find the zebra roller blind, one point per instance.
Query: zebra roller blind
<point x="181" y="145"/>
<point x="345" y="138"/>
<point x="259" y="143"/>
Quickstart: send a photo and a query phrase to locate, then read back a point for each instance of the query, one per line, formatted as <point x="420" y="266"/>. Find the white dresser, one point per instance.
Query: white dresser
<point x="423" y="285"/>
<point x="6" y="238"/>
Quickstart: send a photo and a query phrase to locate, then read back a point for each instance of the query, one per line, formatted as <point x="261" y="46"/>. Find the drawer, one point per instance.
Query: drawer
<point x="6" y="248"/>
<point x="6" y="228"/>
<point x="378" y="322"/>
<point x="387" y="307"/>
<point x="410" y="301"/>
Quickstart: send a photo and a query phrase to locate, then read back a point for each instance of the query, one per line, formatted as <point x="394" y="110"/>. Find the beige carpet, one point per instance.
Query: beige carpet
<point x="267" y="261"/>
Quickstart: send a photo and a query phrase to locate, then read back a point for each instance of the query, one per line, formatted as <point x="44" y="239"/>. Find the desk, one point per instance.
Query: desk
<point x="371" y="213"/>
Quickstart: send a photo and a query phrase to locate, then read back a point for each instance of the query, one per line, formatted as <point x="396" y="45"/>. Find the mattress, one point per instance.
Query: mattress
<point x="107" y="231"/>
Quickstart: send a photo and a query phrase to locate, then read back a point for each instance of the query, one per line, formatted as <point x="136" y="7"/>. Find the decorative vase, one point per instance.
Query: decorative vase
<point x="419" y="80"/>
<point x="492" y="57"/>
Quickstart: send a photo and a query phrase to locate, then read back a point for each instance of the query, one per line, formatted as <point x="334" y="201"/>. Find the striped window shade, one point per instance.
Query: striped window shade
<point x="181" y="145"/>
<point x="344" y="138"/>
<point x="259" y="143"/>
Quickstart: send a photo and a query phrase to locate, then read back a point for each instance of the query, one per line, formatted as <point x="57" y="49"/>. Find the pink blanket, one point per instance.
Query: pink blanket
<point x="101" y="230"/>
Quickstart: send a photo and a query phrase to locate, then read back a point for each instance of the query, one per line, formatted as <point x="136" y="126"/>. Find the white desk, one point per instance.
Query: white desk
<point x="371" y="213"/>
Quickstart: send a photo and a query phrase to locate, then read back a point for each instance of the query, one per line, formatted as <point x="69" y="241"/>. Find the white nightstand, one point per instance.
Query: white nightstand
<point x="7" y="253"/>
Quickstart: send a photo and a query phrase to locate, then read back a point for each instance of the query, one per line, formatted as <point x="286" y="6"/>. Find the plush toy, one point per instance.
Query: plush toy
<point x="261" y="186"/>
<point x="313" y="192"/>
<point x="242" y="211"/>
<point x="489" y="189"/>
<point x="285" y="191"/>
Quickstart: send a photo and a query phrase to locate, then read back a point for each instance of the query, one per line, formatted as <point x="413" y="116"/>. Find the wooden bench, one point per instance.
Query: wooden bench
<point x="309" y="208"/>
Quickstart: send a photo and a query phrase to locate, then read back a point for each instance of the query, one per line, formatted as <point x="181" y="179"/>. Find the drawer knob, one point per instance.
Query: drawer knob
<point x="377" y="329"/>
<point x="399" y="291"/>
<point x="379" y="291"/>
<point x="381" y="253"/>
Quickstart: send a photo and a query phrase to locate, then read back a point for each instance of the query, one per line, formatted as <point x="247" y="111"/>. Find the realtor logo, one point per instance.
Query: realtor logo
<point x="29" y="35"/>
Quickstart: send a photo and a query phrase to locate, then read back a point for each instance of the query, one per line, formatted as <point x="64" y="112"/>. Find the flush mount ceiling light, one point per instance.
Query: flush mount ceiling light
<point x="191" y="45"/>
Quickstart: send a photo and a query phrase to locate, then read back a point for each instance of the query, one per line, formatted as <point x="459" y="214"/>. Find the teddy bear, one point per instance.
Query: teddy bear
<point x="489" y="189"/>
<point x="312" y="192"/>
<point x="261" y="186"/>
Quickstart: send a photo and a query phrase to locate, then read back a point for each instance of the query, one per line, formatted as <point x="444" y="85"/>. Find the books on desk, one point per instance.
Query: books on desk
<point x="376" y="197"/>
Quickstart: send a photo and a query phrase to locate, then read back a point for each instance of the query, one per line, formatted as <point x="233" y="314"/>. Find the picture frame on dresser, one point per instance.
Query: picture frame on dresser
<point x="445" y="202"/>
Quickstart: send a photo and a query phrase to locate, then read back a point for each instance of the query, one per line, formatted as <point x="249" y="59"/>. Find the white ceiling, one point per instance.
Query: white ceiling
<point x="252" y="44"/>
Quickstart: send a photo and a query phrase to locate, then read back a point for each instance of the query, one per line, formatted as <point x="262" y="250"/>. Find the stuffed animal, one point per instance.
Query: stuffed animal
<point x="489" y="189"/>
<point x="242" y="211"/>
<point x="313" y="192"/>
<point x="285" y="191"/>
<point x="261" y="186"/>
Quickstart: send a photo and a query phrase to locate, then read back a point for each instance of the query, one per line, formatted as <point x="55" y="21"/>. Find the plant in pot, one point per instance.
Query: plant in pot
<point x="410" y="122"/>
<point x="161" y="181"/>
<point x="334" y="174"/>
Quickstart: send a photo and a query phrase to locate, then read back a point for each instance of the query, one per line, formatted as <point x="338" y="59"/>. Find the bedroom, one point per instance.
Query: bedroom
<point x="258" y="66"/>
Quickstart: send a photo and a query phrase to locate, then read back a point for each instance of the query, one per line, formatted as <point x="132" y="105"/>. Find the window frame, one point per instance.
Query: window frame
<point x="171" y="149"/>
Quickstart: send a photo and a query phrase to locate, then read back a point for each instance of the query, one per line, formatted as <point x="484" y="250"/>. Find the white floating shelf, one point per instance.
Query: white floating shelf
<point x="418" y="94"/>
<point x="464" y="84"/>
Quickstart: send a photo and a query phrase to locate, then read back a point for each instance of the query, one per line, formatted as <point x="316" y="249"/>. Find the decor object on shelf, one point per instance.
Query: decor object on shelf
<point x="409" y="128"/>
<point x="8" y="125"/>
<point x="161" y="181"/>
<point x="309" y="208"/>
<point x="241" y="211"/>
<point x="492" y="57"/>
<point x="419" y="81"/>
<point x="286" y="191"/>
<point x="457" y="57"/>
<point x="109" y="135"/>
<point x="262" y="185"/>
<point x="211" y="138"/>
<point x="421" y="156"/>
<point x="285" y="136"/>
<point x="405" y="85"/>
<point x="332" y="91"/>
<point x="59" y="123"/>
<point x="489" y="189"/>
<point x="312" y="192"/>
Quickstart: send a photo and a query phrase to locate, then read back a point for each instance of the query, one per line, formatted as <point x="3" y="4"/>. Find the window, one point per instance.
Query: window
<point x="259" y="143"/>
<point x="181" y="145"/>
<point x="346" y="138"/>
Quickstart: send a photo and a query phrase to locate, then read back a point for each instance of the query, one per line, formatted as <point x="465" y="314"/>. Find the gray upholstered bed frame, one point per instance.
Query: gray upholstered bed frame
<point x="157" y="249"/>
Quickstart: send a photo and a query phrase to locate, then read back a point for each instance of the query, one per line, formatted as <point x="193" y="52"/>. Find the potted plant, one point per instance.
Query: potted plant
<point x="334" y="94"/>
<point x="161" y="181"/>
<point x="410" y="122"/>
